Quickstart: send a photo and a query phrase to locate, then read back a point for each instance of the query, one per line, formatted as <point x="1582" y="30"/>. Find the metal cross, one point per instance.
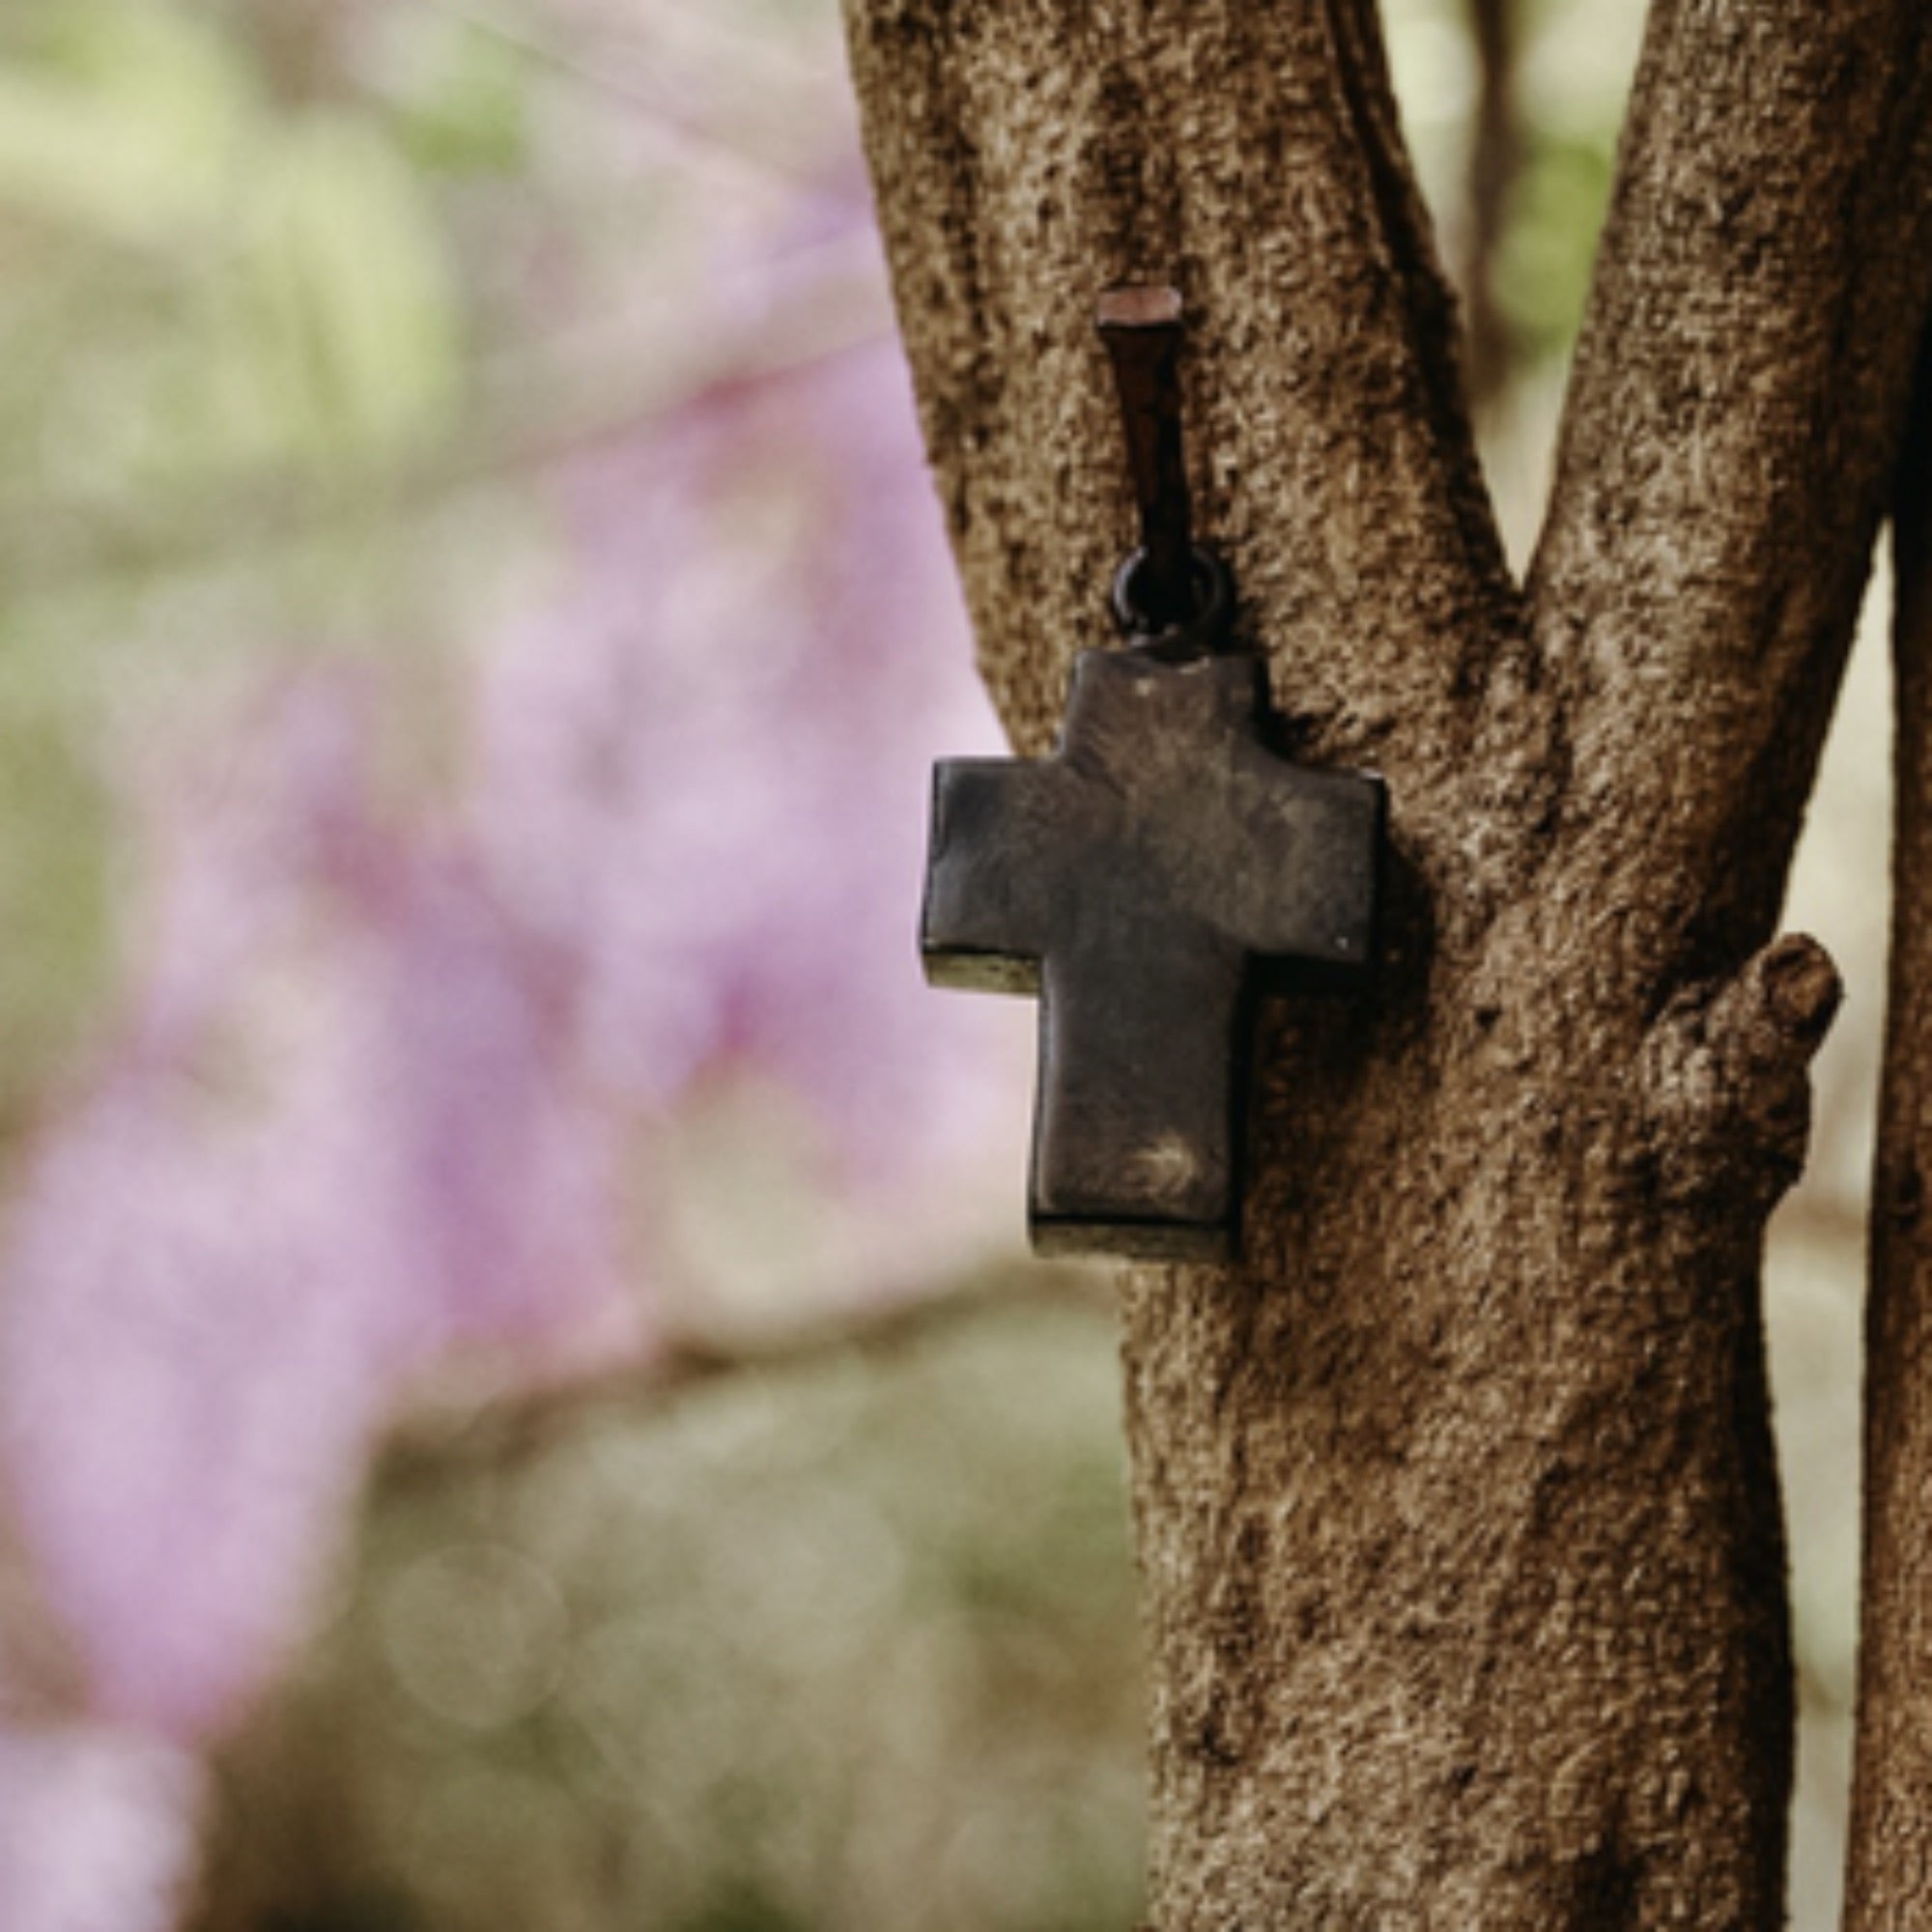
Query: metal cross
<point x="1148" y="879"/>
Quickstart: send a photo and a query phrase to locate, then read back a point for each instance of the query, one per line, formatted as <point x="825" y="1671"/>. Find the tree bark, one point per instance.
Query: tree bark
<point x="1496" y="144"/>
<point x="1456" y="1503"/>
<point x="1888" y="1883"/>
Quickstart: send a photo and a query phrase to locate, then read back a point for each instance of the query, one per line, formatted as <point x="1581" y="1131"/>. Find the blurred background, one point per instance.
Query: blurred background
<point x="521" y="1403"/>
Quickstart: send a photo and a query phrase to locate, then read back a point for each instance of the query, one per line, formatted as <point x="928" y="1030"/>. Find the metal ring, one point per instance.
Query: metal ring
<point x="1201" y="627"/>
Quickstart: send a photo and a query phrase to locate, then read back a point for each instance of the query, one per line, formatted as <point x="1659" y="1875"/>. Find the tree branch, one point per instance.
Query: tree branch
<point x="544" y="405"/>
<point x="1732" y="430"/>
<point x="1890" y="1871"/>
<point x="508" y="1427"/>
<point x="1494" y="154"/>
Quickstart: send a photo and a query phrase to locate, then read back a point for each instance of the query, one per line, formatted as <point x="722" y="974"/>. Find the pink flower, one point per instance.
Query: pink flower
<point x="709" y="784"/>
<point x="97" y="1831"/>
<point x="341" y="1146"/>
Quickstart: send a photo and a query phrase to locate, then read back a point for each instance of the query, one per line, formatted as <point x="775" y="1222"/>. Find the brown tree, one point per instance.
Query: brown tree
<point x="1456" y="1502"/>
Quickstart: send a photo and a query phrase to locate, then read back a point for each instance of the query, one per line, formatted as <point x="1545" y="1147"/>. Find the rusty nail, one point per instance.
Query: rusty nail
<point x="1141" y="326"/>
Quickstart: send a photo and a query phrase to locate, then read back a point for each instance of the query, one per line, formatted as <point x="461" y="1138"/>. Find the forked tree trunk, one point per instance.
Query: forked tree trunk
<point x="1456" y="1503"/>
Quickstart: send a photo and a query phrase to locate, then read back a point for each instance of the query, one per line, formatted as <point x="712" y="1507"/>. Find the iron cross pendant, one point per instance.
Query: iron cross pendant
<point x="1149" y="880"/>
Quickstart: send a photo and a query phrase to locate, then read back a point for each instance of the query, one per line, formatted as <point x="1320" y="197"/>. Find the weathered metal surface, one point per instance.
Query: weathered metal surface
<point x="1145" y="879"/>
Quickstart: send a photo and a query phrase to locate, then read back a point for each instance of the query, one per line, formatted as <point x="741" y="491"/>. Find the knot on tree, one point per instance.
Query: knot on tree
<point x="1725" y="1072"/>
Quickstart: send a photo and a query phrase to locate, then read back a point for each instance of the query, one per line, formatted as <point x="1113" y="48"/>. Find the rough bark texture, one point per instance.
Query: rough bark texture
<point x="1889" y="1877"/>
<point x="1495" y="143"/>
<point x="1456" y="1502"/>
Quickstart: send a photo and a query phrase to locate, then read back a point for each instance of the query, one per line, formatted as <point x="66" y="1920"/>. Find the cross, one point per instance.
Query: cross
<point x="1146" y="880"/>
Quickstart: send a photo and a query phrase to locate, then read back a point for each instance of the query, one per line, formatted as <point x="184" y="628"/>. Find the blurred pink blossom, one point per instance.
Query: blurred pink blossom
<point x="709" y="785"/>
<point x="339" y="1142"/>
<point x="95" y="1830"/>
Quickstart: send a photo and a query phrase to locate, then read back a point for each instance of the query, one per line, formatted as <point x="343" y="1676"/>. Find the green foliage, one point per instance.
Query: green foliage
<point x="331" y="332"/>
<point x="53" y="909"/>
<point x="468" y="112"/>
<point x="218" y="298"/>
<point x="124" y="120"/>
<point x="1556" y="211"/>
<point x="236" y="289"/>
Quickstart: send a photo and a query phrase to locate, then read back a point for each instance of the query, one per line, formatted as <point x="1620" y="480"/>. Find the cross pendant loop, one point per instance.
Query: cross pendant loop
<point x="1200" y="628"/>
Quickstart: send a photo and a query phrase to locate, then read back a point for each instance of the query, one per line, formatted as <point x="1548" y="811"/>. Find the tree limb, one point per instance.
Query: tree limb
<point x="1730" y="434"/>
<point x="1494" y="155"/>
<point x="1890" y="1871"/>
<point x="507" y="1427"/>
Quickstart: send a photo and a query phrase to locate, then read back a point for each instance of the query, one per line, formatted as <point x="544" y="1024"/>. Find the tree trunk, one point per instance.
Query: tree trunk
<point x="1456" y="1503"/>
<point x="1889" y="1876"/>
